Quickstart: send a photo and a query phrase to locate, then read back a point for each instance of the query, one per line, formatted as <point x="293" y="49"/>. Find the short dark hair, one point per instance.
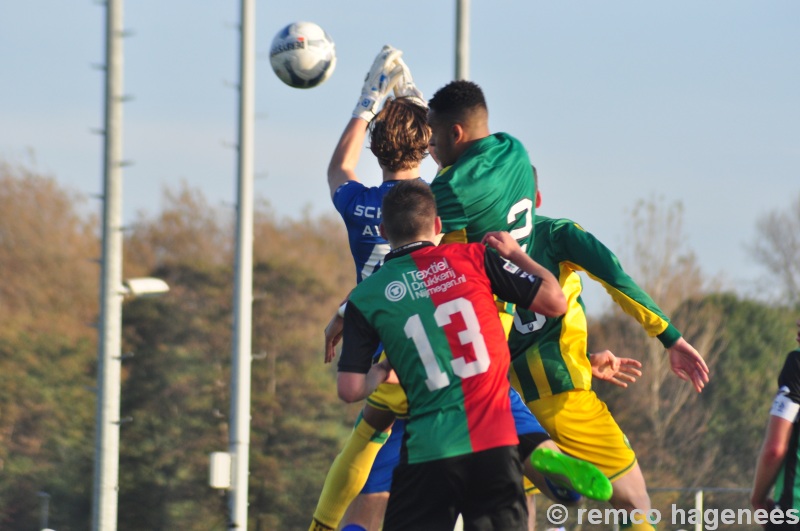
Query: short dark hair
<point x="457" y="98"/>
<point x="408" y="210"/>
<point x="399" y="134"/>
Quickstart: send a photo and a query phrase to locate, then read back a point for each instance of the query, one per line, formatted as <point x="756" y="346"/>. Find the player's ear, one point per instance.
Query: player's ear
<point x="382" y="231"/>
<point x="437" y="225"/>
<point x="457" y="133"/>
<point x="538" y="199"/>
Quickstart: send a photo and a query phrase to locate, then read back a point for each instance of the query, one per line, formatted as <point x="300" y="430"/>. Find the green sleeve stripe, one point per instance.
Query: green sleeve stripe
<point x="527" y="386"/>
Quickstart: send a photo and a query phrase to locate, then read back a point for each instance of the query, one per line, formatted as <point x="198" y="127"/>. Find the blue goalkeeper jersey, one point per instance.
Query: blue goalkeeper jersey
<point x="360" y="208"/>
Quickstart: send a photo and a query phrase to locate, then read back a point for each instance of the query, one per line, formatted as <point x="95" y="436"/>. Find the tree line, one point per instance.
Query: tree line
<point x="176" y="376"/>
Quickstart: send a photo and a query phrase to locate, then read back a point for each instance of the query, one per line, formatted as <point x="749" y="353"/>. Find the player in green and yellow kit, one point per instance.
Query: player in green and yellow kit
<point x="552" y="371"/>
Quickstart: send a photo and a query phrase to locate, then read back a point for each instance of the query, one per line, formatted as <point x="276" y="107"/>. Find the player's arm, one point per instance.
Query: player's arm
<point x="543" y="295"/>
<point x="355" y="381"/>
<point x="770" y="458"/>
<point x="333" y="332"/>
<point x="384" y="73"/>
<point x="783" y="414"/>
<point x="342" y="167"/>
<point x="587" y="253"/>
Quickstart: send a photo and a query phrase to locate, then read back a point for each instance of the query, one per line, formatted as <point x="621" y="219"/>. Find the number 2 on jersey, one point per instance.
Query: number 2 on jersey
<point x="523" y="206"/>
<point x="471" y="335"/>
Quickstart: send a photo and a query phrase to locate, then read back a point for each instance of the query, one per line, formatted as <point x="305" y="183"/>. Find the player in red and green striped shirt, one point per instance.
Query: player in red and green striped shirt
<point x="433" y="310"/>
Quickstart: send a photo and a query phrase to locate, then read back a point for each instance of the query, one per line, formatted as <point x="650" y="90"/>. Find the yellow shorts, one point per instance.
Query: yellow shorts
<point x="582" y="426"/>
<point x="389" y="397"/>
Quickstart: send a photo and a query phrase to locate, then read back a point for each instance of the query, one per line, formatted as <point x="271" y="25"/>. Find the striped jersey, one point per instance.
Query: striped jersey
<point x="550" y="355"/>
<point x="433" y="309"/>
<point x="490" y="187"/>
<point x="360" y="208"/>
<point x="787" y="406"/>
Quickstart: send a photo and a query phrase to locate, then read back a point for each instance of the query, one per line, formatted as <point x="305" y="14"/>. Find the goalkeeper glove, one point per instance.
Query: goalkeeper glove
<point x="379" y="82"/>
<point x="405" y="87"/>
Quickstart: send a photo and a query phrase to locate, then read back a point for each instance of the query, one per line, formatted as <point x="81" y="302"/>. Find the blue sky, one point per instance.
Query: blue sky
<point x="617" y="101"/>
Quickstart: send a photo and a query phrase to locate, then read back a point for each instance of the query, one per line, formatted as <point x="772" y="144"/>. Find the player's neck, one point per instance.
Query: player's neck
<point x="428" y="237"/>
<point x="402" y="175"/>
<point x="406" y="243"/>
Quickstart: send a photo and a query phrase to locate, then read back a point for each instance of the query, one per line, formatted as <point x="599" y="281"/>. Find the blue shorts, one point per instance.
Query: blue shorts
<point x="524" y="420"/>
<point x="380" y="477"/>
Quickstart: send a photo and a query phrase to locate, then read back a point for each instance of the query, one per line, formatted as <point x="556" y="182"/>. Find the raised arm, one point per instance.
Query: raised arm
<point x="342" y="167"/>
<point x="378" y="84"/>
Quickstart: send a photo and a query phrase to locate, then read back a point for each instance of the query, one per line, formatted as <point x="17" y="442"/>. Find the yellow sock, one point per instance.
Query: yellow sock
<point x="348" y="475"/>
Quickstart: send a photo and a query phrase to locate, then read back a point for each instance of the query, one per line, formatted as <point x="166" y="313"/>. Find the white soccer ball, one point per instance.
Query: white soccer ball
<point x="302" y="55"/>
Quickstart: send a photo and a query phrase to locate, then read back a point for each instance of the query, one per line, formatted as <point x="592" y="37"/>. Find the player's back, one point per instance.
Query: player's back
<point x="490" y="187"/>
<point x="360" y="208"/>
<point x="434" y="311"/>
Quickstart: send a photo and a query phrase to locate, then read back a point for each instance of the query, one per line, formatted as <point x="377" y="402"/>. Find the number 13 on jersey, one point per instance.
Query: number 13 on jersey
<point x="471" y="335"/>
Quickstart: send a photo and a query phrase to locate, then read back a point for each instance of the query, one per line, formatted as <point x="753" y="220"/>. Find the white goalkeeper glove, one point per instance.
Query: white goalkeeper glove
<point x="379" y="83"/>
<point x="405" y="87"/>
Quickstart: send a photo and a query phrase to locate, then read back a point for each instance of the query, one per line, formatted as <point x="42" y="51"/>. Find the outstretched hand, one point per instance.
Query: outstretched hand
<point x="333" y="334"/>
<point x="688" y="364"/>
<point x="618" y="371"/>
<point x="379" y="82"/>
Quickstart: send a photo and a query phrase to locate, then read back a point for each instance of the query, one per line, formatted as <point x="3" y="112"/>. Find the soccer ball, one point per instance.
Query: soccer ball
<point x="302" y="55"/>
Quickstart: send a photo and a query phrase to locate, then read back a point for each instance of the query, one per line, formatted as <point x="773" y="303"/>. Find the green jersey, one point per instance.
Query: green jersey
<point x="490" y="187"/>
<point x="550" y="355"/>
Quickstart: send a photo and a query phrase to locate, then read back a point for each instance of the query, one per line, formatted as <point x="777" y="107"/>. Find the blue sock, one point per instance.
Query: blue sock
<point x="353" y="527"/>
<point x="562" y="493"/>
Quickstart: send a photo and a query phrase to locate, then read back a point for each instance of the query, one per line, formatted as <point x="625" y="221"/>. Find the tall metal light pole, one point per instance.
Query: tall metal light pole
<point x="462" y="39"/>
<point x="106" y="451"/>
<point x="239" y="436"/>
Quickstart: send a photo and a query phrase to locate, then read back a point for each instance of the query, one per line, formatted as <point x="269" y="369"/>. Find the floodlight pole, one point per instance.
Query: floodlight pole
<point x="239" y="435"/>
<point x="462" y="39"/>
<point x="106" y="450"/>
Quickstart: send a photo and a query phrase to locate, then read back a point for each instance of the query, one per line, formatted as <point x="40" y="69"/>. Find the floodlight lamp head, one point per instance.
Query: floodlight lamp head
<point x="144" y="287"/>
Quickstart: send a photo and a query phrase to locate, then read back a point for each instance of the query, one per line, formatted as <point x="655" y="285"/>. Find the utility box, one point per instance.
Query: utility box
<point x="219" y="472"/>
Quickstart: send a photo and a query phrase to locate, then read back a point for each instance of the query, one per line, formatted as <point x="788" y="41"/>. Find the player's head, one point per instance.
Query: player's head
<point x="409" y="213"/>
<point x="399" y="135"/>
<point x="457" y="116"/>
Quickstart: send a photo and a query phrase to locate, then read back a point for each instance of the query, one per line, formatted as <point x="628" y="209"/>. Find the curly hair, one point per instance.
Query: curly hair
<point x="457" y="98"/>
<point x="399" y="134"/>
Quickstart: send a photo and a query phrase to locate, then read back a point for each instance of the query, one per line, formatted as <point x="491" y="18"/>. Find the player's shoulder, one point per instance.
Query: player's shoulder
<point x="350" y="185"/>
<point x="351" y="193"/>
<point x="549" y="225"/>
<point x="506" y="137"/>
<point x="442" y="178"/>
<point x="474" y="252"/>
<point x="793" y="361"/>
<point x="347" y="190"/>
